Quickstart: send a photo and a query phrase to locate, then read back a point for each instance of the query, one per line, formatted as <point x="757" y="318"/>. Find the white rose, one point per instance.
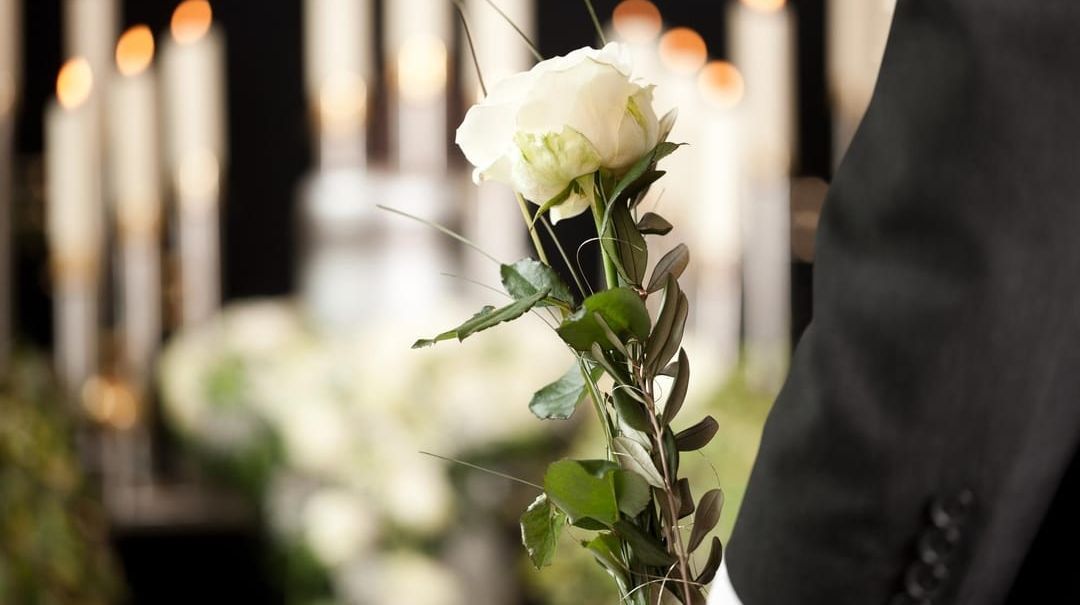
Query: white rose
<point x="567" y="117"/>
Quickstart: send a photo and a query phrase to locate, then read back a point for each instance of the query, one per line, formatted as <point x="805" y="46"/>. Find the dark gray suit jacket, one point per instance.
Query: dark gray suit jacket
<point x="933" y="406"/>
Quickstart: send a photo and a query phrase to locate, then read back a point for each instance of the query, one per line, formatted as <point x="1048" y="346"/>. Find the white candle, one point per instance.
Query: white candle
<point x="856" y="34"/>
<point x="74" y="222"/>
<point x="637" y="23"/>
<point x="717" y="243"/>
<point x="338" y="67"/>
<point x="493" y="217"/>
<point x="90" y="28"/>
<point x="762" y="46"/>
<point x="762" y="38"/>
<point x="682" y="53"/>
<point x="418" y="34"/>
<point x="136" y="194"/>
<point x="194" y="95"/>
<point x="10" y="74"/>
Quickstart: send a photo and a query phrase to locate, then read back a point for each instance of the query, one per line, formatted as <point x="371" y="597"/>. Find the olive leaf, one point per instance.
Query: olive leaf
<point x="488" y="317"/>
<point x="653" y="224"/>
<point x="697" y="436"/>
<point x="677" y="395"/>
<point x="633" y="457"/>
<point x="673" y="263"/>
<point x="716" y="556"/>
<point x="541" y="525"/>
<point x="686" y="499"/>
<point x="632" y="412"/>
<point x="706" y="517"/>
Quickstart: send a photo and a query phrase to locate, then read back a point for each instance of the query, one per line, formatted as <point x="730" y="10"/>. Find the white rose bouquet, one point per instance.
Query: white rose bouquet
<point x="577" y="134"/>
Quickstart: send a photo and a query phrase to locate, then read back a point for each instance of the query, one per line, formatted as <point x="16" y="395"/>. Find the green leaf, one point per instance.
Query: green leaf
<point x="679" y="388"/>
<point x="631" y="492"/>
<point x="613" y="338"/>
<point x="646" y="548"/>
<point x="706" y="517"/>
<point x="673" y="263"/>
<point x="606" y="549"/>
<point x="630" y="411"/>
<point x="622" y="310"/>
<point x="559" y="399"/>
<point x="697" y="436"/>
<point x="488" y="317"/>
<point x="665" y="149"/>
<point x="617" y="372"/>
<point x="633" y="456"/>
<point x="641" y="186"/>
<point x="653" y="224"/>
<point x="526" y="277"/>
<point x="541" y="525"/>
<point x="579" y="492"/>
<point x="555" y="201"/>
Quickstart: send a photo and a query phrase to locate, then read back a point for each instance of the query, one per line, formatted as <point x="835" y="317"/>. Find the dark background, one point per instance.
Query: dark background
<point x="269" y="152"/>
<point x="268" y="129"/>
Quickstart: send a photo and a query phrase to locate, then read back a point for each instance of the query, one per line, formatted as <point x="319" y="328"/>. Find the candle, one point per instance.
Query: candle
<point x="493" y="218"/>
<point x="193" y="77"/>
<point x="136" y="181"/>
<point x="637" y="23"/>
<point x="682" y="53"/>
<point x="74" y="222"/>
<point x="762" y="45"/>
<point x="762" y="37"/>
<point x="10" y="72"/>
<point x="418" y="34"/>
<point x="716" y="226"/>
<point x="338" y="66"/>
<point x="89" y="32"/>
<point x="856" y="36"/>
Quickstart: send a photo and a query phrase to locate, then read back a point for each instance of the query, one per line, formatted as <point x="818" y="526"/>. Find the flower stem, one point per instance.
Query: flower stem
<point x="611" y="274"/>
<point x="596" y="22"/>
<point x="530" y="224"/>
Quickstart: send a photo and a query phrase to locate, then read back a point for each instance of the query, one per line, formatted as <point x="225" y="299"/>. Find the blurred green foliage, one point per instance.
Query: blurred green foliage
<point x="53" y="541"/>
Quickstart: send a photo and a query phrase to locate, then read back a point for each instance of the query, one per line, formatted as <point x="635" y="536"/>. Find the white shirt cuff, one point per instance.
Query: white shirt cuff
<point x="722" y="592"/>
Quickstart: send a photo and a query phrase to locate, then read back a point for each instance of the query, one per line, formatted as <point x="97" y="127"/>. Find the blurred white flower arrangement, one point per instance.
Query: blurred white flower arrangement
<point x="329" y="430"/>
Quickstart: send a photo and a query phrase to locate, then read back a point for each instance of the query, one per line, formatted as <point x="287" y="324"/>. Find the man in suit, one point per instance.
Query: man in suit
<point x="923" y="448"/>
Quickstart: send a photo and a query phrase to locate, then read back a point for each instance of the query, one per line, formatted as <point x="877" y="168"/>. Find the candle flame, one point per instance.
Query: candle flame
<point x="765" y="6"/>
<point x="135" y="50"/>
<point x="721" y="84"/>
<point x="74" y="83"/>
<point x="191" y="20"/>
<point x="637" y="21"/>
<point x="683" y="50"/>
<point x="421" y="68"/>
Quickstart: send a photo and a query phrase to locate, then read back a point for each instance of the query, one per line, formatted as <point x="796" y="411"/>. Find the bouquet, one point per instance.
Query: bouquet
<point x="577" y="134"/>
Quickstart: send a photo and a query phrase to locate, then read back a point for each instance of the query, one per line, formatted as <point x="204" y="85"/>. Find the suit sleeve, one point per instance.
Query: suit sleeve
<point x="931" y="407"/>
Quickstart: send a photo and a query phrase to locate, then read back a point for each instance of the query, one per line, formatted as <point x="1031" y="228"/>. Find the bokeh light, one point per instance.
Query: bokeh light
<point x="74" y="83"/>
<point x="765" y="6"/>
<point x="637" y="21"/>
<point x="721" y="84"/>
<point x="191" y="20"/>
<point x="683" y="50"/>
<point x="135" y="50"/>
